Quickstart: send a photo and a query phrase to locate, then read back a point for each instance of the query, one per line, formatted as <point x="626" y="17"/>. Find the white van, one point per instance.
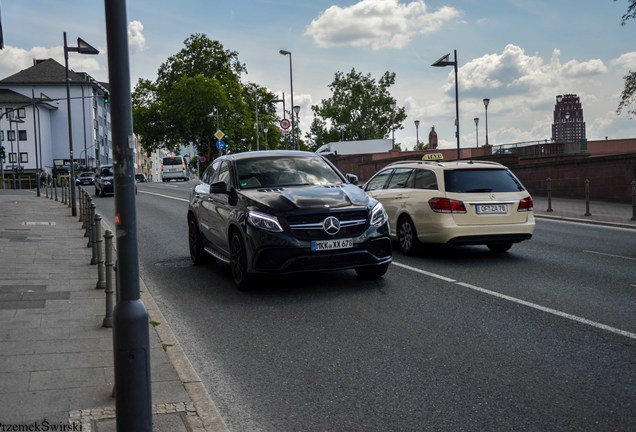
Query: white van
<point x="174" y="167"/>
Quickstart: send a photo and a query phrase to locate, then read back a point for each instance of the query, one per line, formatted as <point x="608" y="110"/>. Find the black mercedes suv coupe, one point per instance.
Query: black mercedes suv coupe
<point x="279" y="212"/>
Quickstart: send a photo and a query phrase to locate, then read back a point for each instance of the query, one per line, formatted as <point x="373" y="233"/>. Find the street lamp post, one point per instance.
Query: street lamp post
<point x="417" y="134"/>
<point x="442" y="62"/>
<point x="291" y="86"/>
<point x="476" y="131"/>
<point x="296" y="138"/>
<point x="81" y="48"/>
<point x="486" y="102"/>
<point x="393" y="106"/>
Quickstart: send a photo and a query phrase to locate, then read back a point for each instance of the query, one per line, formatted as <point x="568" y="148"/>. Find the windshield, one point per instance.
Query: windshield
<point x="106" y="171"/>
<point x="481" y="180"/>
<point x="285" y="171"/>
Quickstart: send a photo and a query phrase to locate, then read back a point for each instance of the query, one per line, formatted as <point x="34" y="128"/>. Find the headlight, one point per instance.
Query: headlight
<point x="378" y="215"/>
<point x="108" y="183"/>
<point x="263" y="221"/>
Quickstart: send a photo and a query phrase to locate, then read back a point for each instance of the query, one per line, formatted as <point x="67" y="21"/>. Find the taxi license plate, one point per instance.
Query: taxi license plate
<point x="492" y="209"/>
<point x="320" y="245"/>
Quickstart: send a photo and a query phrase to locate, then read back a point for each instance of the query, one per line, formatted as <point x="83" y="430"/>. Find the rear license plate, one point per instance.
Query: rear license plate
<point x="320" y="245"/>
<point x="492" y="209"/>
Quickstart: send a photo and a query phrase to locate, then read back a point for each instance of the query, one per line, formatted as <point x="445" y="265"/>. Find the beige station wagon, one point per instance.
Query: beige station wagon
<point x="456" y="203"/>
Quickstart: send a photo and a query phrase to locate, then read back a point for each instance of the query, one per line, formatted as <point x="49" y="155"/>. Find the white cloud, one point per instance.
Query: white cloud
<point x="626" y="61"/>
<point x="136" y="38"/>
<point x="377" y="24"/>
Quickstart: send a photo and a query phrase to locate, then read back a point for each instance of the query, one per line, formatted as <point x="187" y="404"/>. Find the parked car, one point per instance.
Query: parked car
<point x="85" y="178"/>
<point x="276" y="212"/>
<point x="457" y="203"/>
<point x="104" y="184"/>
<point x="140" y="178"/>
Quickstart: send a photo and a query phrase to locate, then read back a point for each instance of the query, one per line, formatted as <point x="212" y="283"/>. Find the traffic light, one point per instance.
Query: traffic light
<point x="3" y="155"/>
<point x="106" y="96"/>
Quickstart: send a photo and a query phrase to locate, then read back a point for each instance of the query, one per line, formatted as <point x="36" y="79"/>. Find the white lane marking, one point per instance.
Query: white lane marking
<point x="164" y="196"/>
<point x="414" y="269"/>
<point x="525" y="303"/>
<point x="610" y="255"/>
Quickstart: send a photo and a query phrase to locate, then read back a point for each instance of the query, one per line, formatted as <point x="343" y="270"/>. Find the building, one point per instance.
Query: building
<point x="34" y="119"/>
<point x="568" y="119"/>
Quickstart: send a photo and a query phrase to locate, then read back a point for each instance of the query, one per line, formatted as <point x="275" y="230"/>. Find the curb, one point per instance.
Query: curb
<point x="586" y="221"/>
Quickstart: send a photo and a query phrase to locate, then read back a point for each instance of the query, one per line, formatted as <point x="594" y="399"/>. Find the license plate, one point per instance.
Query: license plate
<point x="492" y="209"/>
<point x="320" y="245"/>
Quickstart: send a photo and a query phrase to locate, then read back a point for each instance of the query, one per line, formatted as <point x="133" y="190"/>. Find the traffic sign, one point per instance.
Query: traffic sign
<point x="285" y="124"/>
<point x="219" y="135"/>
<point x="202" y="159"/>
<point x="220" y="144"/>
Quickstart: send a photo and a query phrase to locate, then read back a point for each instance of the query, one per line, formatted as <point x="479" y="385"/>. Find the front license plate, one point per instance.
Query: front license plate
<point x="492" y="209"/>
<point x="320" y="245"/>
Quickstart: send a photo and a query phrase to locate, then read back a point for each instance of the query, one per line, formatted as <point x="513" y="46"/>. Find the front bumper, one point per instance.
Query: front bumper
<point x="282" y="253"/>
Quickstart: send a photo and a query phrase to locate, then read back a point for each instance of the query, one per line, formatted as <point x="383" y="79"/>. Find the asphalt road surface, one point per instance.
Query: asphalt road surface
<point x="542" y="338"/>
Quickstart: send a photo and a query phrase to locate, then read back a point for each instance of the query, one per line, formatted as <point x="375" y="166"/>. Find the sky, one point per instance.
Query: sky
<point x="520" y="54"/>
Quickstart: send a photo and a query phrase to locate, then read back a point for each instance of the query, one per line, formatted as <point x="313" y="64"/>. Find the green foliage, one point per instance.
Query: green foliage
<point x="194" y="87"/>
<point x="628" y="95"/>
<point x="359" y="109"/>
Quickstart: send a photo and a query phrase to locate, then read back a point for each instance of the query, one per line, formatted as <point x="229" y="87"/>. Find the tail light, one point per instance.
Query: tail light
<point x="525" y="205"/>
<point x="445" y="205"/>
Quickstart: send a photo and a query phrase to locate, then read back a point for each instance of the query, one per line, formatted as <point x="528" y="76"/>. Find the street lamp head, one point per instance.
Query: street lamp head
<point x="393" y="105"/>
<point x="476" y="121"/>
<point x="417" y="123"/>
<point x="283" y="52"/>
<point x="296" y="109"/>
<point x="486" y="102"/>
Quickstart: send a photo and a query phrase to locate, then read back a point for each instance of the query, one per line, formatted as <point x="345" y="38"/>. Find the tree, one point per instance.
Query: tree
<point x="628" y="95"/>
<point x="359" y="109"/>
<point x="201" y="79"/>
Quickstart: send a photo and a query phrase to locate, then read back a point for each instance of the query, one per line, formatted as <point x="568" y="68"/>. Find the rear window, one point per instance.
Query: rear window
<point x="481" y="180"/>
<point x="172" y="160"/>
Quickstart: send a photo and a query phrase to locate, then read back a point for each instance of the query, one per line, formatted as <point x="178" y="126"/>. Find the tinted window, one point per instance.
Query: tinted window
<point x="400" y="178"/>
<point x="209" y="172"/>
<point x="424" y="179"/>
<point x="174" y="160"/>
<point x="481" y="180"/>
<point x="222" y="174"/>
<point x="378" y="181"/>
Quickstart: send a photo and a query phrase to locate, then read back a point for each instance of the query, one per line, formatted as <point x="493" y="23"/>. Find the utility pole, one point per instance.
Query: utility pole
<point x="133" y="394"/>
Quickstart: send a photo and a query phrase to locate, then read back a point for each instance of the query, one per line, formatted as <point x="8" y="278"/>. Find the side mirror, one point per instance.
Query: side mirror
<point x="202" y="188"/>
<point x="352" y="178"/>
<point x="218" y="187"/>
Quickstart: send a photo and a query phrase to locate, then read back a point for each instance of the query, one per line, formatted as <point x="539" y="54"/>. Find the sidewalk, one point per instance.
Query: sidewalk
<point x="601" y="212"/>
<point x="56" y="358"/>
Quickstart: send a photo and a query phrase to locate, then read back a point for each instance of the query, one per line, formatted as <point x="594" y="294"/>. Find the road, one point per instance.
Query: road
<point x="454" y="339"/>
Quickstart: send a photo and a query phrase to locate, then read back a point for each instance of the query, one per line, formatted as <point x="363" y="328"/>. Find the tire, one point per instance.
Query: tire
<point x="372" y="272"/>
<point x="407" y="236"/>
<point x="499" y="247"/>
<point x="238" y="263"/>
<point x="195" y="243"/>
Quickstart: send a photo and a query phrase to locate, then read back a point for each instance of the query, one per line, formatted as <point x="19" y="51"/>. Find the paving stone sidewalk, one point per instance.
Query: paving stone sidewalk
<point x="56" y="358"/>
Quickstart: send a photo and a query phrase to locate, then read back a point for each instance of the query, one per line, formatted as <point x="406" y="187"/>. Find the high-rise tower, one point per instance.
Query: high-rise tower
<point x="568" y="119"/>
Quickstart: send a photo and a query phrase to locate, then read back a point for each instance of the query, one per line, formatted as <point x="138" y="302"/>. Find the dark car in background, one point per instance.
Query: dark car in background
<point x="86" y="178"/>
<point x="278" y="212"/>
<point x="140" y="178"/>
<point x="104" y="181"/>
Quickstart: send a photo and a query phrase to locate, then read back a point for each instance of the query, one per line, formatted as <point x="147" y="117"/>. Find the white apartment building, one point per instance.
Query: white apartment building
<point x="34" y="119"/>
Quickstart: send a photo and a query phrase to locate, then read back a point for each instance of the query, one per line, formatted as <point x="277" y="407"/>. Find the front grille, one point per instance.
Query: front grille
<point x="309" y="226"/>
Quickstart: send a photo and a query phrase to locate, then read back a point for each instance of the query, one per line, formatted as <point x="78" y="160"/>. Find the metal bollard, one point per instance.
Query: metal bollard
<point x="634" y="200"/>
<point x="55" y="186"/>
<point x="46" y="188"/>
<point x="91" y="216"/>
<point x="108" y="248"/>
<point x="549" y="187"/>
<point x="69" y="185"/>
<point x="587" y="198"/>
<point x="62" y="193"/>
<point x="101" y="282"/>
<point x="94" y="234"/>
<point x="89" y="202"/>
<point x="80" y="195"/>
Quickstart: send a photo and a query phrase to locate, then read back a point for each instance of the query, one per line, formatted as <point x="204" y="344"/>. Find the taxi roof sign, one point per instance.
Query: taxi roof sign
<point x="433" y="156"/>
